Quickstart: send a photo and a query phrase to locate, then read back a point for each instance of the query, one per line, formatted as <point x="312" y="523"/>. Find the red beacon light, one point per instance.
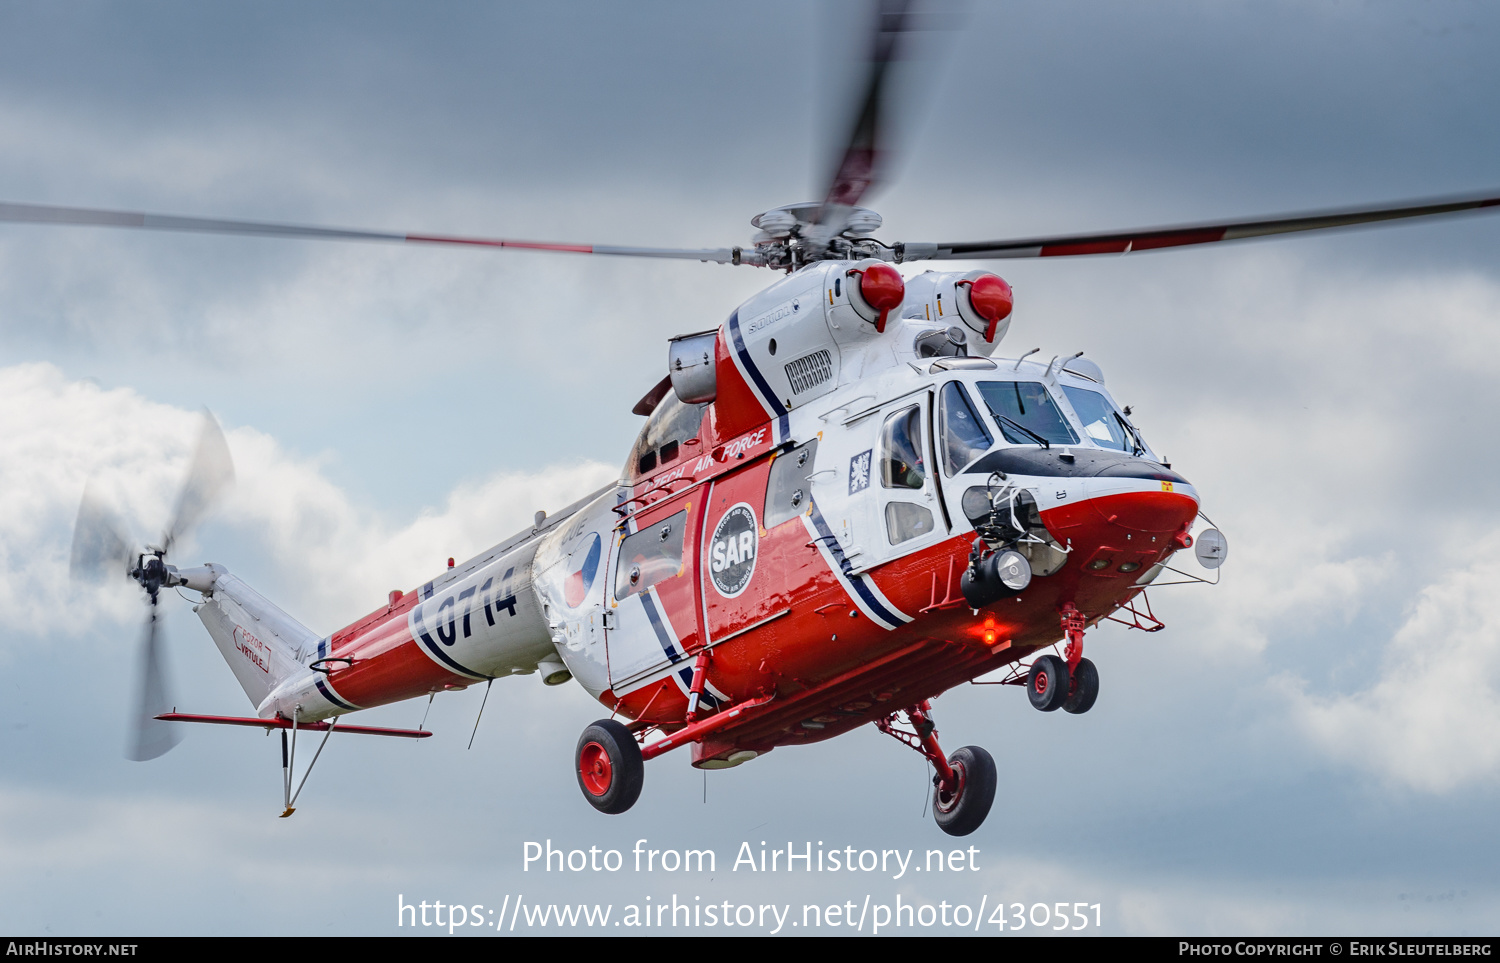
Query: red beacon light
<point x="881" y="287"/>
<point x="991" y="298"/>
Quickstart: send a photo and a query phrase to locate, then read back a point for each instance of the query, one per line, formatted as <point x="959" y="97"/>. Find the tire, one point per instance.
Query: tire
<point x="1085" y="688"/>
<point x="609" y="766"/>
<point x="1047" y="685"/>
<point x="961" y="815"/>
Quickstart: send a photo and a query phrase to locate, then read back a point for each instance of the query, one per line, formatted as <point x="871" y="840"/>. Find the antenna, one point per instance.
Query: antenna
<point x="482" y="702"/>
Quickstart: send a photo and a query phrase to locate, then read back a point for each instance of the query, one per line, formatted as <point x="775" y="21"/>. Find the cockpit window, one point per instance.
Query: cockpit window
<point x="1029" y="410"/>
<point x="901" y="463"/>
<point x="1104" y="426"/>
<point x="964" y="436"/>
<point x="666" y="431"/>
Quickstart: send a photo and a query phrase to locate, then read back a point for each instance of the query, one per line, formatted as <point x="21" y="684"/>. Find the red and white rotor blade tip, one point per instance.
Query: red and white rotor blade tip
<point x="861" y="161"/>
<point x="1159" y="238"/>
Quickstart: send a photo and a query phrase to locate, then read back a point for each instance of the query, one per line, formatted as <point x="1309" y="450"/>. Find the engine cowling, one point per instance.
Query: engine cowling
<point x="875" y="290"/>
<point x="984" y="301"/>
<point x="981" y="300"/>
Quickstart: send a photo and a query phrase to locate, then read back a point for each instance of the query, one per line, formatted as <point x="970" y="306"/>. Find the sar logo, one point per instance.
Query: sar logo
<point x="731" y="554"/>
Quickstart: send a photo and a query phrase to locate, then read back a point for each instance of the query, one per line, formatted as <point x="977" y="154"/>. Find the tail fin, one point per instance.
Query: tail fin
<point x="262" y="644"/>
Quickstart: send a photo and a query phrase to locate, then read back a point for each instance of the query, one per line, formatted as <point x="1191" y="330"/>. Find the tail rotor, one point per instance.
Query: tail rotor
<point x="100" y="547"/>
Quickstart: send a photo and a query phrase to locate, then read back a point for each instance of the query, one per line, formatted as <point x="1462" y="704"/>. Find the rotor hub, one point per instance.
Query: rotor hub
<point x="791" y="236"/>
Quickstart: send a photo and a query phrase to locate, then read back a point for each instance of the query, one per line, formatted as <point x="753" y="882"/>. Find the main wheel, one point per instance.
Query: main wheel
<point x="1047" y="685"/>
<point x="1085" y="688"/>
<point x="961" y="813"/>
<point x="610" y="768"/>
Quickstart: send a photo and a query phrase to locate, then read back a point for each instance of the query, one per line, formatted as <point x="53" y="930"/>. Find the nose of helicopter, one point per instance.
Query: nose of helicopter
<point x="1153" y="507"/>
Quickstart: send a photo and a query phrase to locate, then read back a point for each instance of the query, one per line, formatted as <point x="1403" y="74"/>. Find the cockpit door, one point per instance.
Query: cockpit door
<point x="906" y="508"/>
<point x="961" y="436"/>
<point x="653" y="571"/>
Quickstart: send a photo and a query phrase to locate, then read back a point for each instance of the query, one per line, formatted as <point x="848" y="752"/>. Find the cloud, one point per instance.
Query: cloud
<point x="1429" y="721"/>
<point x="337" y="558"/>
<point x="346" y="559"/>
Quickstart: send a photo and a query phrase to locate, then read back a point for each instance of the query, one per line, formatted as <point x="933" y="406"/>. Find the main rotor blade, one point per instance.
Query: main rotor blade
<point x="211" y="472"/>
<point x="1157" y="238"/>
<point x="151" y="737"/>
<point x="99" y="543"/>
<point x="94" y="217"/>
<point x="859" y="166"/>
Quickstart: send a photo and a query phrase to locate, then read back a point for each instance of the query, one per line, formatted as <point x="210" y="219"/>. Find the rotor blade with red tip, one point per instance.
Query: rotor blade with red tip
<point x="859" y="165"/>
<point x="1157" y="238"/>
<point x="93" y="217"/>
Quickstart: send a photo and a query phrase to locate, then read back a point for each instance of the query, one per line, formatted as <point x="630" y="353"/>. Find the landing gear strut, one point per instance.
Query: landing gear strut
<point x="964" y="783"/>
<point x="1070" y="683"/>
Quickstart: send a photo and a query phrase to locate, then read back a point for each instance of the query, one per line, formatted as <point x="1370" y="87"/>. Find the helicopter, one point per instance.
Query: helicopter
<point x="842" y="503"/>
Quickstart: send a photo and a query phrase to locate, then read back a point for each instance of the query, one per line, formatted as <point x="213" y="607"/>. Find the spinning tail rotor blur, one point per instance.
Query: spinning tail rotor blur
<point x="101" y="548"/>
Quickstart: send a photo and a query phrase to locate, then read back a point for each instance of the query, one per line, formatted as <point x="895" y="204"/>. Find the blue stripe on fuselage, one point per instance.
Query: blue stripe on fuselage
<point x="767" y="395"/>
<point x="856" y="582"/>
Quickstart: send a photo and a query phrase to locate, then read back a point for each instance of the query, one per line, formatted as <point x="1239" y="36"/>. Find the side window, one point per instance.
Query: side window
<point x="787" y="492"/>
<point x="901" y="462"/>
<point x="650" y="555"/>
<point x="964" y="436"/>
<point x="904" y="520"/>
<point x="661" y="439"/>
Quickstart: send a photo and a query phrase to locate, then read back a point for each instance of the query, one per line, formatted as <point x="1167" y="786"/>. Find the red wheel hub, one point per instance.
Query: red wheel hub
<point x="594" y="769"/>
<point x="948" y="798"/>
<point x="1040" y="683"/>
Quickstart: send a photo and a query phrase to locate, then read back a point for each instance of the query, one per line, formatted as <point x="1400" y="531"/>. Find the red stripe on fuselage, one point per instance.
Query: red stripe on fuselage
<point x="388" y="665"/>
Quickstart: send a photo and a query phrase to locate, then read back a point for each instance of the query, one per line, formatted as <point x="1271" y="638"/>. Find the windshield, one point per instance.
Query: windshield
<point x="1026" y="403"/>
<point x="1098" y="416"/>
<point x="964" y="436"/>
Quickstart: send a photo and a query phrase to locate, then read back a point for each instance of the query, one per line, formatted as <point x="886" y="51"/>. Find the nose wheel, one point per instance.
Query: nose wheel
<point x="1084" y="688"/>
<point x="1048" y="683"/>
<point x="610" y="767"/>
<point x="1070" y="683"/>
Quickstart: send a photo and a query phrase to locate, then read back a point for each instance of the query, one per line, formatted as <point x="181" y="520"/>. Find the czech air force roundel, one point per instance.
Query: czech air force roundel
<point x="731" y="554"/>
<point x="585" y="564"/>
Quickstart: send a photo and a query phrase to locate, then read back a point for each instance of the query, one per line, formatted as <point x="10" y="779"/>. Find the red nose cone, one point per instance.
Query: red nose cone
<point x="992" y="298"/>
<point x="882" y="288"/>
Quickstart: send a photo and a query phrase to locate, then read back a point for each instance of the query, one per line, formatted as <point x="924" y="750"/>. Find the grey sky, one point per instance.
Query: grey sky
<point x="1307" y="747"/>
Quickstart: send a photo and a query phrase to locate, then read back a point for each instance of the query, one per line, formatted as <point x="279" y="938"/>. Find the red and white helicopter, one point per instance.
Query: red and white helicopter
<point x="842" y="504"/>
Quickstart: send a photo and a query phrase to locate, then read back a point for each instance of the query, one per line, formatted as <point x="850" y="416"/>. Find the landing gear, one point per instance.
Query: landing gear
<point x="960" y="813"/>
<point x="1070" y="683"/>
<point x="964" y="783"/>
<point x="1085" y="687"/>
<point x="610" y="767"/>
<point x="1048" y="684"/>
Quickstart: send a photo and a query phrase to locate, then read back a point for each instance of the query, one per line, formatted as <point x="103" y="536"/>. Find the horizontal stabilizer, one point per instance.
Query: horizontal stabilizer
<point x="286" y="724"/>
